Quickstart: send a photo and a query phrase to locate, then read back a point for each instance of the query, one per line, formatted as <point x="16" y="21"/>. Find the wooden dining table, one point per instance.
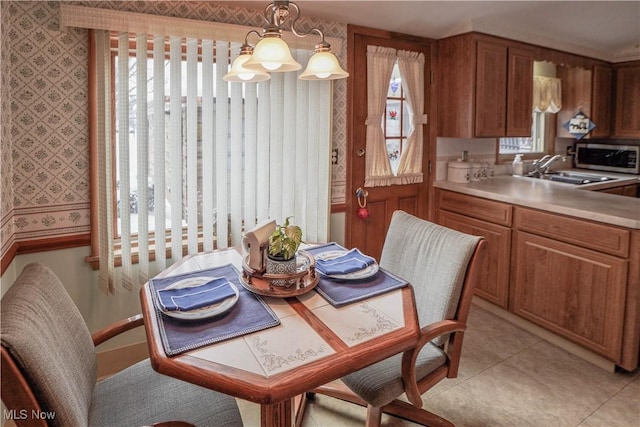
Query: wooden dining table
<point x="313" y="344"/>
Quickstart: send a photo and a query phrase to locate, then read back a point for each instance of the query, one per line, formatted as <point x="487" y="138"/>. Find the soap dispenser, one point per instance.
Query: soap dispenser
<point x="518" y="166"/>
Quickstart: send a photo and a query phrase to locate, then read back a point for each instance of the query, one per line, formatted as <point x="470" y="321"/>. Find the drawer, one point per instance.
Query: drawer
<point x="475" y="207"/>
<point x="599" y="237"/>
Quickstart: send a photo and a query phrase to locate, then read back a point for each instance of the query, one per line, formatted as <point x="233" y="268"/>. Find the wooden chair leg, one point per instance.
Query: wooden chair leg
<point x="300" y="406"/>
<point x="374" y="416"/>
<point x="397" y="408"/>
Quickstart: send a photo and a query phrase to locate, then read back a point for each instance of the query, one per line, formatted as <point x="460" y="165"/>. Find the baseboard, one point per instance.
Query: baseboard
<point x="564" y="344"/>
<point x="116" y="359"/>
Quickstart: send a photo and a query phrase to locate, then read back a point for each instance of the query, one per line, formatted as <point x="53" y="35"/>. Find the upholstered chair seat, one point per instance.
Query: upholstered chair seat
<point x="49" y="364"/>
<point x="442" y="266"/>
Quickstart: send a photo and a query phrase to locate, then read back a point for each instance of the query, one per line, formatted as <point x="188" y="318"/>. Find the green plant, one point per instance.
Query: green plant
<point x="285" y="240"/>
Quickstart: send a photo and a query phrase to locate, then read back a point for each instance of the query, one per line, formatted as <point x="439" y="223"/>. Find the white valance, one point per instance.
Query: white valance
<point x="142" y="23"/>
<point x="547" y="94"/>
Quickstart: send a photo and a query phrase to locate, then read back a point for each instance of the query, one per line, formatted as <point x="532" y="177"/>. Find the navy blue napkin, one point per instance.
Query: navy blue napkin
<point x="342" y="292"/>
<point x="349" y="262"/>
<point x="193" y="297"/>
<point x="250" y="314"/>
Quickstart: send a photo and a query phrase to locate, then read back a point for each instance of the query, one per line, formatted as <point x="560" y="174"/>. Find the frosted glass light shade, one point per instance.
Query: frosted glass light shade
<point x="272" y="54"/>
<point x="323" y="66"/>
<point x="240" y="74"/>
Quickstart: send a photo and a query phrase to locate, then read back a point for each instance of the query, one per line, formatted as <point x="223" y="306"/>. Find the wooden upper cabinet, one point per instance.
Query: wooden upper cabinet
<point x="520" y="91"/>
<point x="576" y="96"/>
<point x="587" y="90"/>
<point x="627" y="104"/>
<point x="601" y="101"/>
<point x="491" y="89"/>
<point x="485" y="87"/>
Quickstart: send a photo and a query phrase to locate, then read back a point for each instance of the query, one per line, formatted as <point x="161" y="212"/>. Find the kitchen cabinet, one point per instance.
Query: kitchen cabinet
<point x="588" y="90"/>
<point x="601" y="101"/>
<point x="627" y="100"/>
<point x="492" y="221"/>
<point x="485" y="87"/>
<point x="573" y="284"/>
<point x="630" y="190"/>
<point x="579" y="279"/>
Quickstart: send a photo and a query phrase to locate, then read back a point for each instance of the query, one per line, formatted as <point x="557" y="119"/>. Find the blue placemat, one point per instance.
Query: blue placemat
<point x="249" y="314"/>
<point x="343" y="292"/>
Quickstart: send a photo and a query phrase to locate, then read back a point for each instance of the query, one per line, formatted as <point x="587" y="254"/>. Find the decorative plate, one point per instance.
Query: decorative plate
<point x="204" y="312"/>
<point x="366" y="272"/>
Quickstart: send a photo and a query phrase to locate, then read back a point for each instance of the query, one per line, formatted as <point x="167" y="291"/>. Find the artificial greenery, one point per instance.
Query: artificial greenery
<point x="285" y="240"/>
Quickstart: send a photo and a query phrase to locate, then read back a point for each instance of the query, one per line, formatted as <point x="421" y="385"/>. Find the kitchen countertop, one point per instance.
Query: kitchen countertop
<point x="566" y="199"/>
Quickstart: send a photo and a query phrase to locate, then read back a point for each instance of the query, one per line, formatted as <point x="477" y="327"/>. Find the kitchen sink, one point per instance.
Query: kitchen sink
<point x="577" y="178"/>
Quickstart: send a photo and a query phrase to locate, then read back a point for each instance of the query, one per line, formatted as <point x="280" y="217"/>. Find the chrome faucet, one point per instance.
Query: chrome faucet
<point x="537" y="171"/>
<point x="544" y="168"/>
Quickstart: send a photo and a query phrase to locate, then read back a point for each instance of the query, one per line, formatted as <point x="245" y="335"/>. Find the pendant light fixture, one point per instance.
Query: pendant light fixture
<point x="272" y="54"/>
<point x="239" y="73"/>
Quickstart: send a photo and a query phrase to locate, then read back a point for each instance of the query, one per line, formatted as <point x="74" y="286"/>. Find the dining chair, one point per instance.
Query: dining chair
<point x="49" y="369"/>
<point x="442" y="265"/>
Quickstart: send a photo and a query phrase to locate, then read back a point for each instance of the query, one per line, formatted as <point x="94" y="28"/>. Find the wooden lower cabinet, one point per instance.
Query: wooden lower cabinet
<point x="494" y="277"/>
<point x="577" y="278"/>
<point x="632" y="190"/>
<point x="575" y="292"/>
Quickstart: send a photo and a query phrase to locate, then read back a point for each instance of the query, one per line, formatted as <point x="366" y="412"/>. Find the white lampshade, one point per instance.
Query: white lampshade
<point x="240" y="74"/>
<point x="272" y="54"/>
<point x="323" y="66"/>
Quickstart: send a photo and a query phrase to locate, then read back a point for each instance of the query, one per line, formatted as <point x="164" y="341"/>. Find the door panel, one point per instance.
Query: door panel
<point x="368" y="234"/>
<point x="409" y="205"/>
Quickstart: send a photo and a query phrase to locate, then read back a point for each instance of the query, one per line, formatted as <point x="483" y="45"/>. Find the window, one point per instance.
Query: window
<point x="395" y="115"/>
<point x="536" y="143"/>
<point x="547" y="101"/>
<point x="396" y="122"/>
<point x="186" y="161"/>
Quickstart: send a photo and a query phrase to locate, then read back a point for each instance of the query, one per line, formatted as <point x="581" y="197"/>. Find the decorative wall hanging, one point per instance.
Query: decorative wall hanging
<point x="579" y="125"/>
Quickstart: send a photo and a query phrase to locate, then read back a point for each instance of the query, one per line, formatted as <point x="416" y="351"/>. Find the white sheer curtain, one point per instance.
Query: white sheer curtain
<point x="547" y="94"/>
<point x="208" y="159"/>
<point x="411" y="65"/>
<point x="380" y="62"/>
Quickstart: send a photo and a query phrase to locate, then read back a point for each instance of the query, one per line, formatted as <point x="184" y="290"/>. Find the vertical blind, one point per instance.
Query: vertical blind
<point x="198" y="159"/>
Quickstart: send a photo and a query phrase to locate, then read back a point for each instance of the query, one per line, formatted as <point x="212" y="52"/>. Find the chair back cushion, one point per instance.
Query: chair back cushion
<point x="433" y="259"/>
<point x="47" y="337"/>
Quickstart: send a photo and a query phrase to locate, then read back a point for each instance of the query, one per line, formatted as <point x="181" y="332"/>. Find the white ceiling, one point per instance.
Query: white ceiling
<point x="607" y="30"/>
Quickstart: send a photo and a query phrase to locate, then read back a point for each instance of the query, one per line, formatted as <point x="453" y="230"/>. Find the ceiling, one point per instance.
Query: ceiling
<point x="607" y="30"/>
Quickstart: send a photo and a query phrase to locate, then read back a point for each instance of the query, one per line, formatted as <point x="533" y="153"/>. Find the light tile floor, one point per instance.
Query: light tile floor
<point x="508" y="377"/>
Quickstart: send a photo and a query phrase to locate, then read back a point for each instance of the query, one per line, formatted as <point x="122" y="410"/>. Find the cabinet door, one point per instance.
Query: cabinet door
<point x="627" y="124"/>
<point x="576" y="96"/>
<point x="574" y="292"/>
<point x="520" y="92"/>
<point x="491" y="89"/>
<point x="601" y="101"/>
<point x="493" y="284"/>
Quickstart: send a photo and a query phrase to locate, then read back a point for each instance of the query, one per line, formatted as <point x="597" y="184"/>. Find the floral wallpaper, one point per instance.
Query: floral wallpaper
<point x="6" y="166"/>
<point x="44" y="173"/>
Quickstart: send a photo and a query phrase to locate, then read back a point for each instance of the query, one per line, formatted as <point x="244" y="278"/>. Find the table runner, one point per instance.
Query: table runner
<point x="249" y="314"/>
<point x="343" y="292"/>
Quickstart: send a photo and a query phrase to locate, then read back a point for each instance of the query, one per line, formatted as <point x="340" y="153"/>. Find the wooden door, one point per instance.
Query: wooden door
<point x="368" y="234"/>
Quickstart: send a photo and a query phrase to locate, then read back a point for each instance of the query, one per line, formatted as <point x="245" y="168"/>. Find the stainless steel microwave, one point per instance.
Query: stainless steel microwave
<point x="607" y="157"/>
